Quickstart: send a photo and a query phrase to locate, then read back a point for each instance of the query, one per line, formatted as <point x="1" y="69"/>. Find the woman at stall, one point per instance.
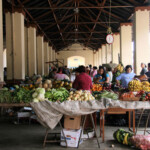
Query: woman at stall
<point x="60" y="76"/>
<point x="125" y="77"/>
<point x="83" y="80"/>
<point x="102" y="77"/>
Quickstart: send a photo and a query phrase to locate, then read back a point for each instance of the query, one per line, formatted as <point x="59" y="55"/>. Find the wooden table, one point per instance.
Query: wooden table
<point x="15" y="105"/>
<point x="115" y="111"/>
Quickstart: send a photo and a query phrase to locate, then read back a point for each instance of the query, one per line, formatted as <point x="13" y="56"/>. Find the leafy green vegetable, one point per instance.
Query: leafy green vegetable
<point x="60" y="94"/>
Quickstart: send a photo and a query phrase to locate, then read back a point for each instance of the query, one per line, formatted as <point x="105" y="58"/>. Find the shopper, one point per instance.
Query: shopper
<point x="94" y="72"/>
<point x="66" y="71"/>
<point x="87" y="70"/>
<point x="102" y="77"/>
<point x="126" y="77"/>
<point x="147" y="74"/>
<point x="60" y="76"/>
<point x="83" y="80"/>
<point x="144" y="69"/>
<point x="109" y="71"/>
<point x="53" y="73"/>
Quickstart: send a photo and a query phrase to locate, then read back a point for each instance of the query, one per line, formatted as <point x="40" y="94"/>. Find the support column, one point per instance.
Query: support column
<point x="32" y="60"/>
<point x="18" y="46"/>
<point x="26" y="50"/>
<point x="116" y="48"/>
<point x="9" y="45"/>
<point x="40" y="55"/>
<point x="108" y="53"/>
<point x="103" y="53"/>
<point x="126" y="55"/>
<point x="1" y="44"/>
<point x="99" y="57"/>
<point x="94" y="58"/>
<point x="141" y="37"/>
<point x="50" y="54"/>
<point x="46" y="58"/>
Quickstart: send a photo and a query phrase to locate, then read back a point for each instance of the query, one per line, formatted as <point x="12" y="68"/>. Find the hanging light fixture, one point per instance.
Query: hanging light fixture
<point x="109" y="37"/>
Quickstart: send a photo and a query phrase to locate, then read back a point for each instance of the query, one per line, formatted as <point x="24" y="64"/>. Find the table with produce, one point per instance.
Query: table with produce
<point x="52" y="99"/>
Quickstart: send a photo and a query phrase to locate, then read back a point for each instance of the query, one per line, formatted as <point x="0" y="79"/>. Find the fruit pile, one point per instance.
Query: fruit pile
<point x="120" y="68"/>
<point x="97" y="87"/>
<point x="123" y="136"/>
<point x="80" y="96"/>
<point x="135" y="85"/>
<point x="146" y="86"/>
<point x="65" y="84"/>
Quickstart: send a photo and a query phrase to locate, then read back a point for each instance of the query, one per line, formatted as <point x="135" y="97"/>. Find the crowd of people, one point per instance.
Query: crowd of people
<point x="86" y="75"/>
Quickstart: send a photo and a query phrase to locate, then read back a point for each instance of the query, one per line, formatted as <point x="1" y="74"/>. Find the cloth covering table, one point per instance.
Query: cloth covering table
<point x="50" y="113"/>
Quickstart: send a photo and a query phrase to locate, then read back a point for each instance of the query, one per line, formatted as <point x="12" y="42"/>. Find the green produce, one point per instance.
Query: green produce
<point x="5" y="96"/>
<point x="123" y="136"/>
<point x="106" y="94"/>
<point x="60" y="94"/>
<point x="38" y="95"/>
<point x="22" y="95"/>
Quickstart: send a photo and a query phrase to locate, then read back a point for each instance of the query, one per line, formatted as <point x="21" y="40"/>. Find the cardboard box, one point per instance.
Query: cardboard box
<point x="72" y="138"/>
<point x="72" y="123"/>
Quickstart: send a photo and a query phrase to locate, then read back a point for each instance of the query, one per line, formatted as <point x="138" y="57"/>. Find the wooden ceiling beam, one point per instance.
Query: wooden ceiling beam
<point x="55" y="17"/>
<point x="134" y="2"/>
<point x="74" y="23"/>
<point x="81" y="7"/>
<point x="103" y="3"/>
<point x="25" y="1"/>
<point x="43" y="15"/>
<point x="27" y="12"/>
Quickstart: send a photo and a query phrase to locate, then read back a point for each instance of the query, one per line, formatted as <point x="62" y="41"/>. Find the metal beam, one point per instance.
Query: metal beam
<point x="81" y="7"/>
<point x="50" y="4"/>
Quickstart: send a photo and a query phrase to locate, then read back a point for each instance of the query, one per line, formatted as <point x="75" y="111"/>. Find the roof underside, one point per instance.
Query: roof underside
<point x="65" y="22"/>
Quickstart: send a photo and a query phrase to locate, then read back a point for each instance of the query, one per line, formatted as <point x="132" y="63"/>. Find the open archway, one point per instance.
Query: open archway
<point x="75" y="61"/>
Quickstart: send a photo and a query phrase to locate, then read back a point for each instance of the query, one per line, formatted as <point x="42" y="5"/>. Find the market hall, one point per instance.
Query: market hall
<point x="74" y="73"/>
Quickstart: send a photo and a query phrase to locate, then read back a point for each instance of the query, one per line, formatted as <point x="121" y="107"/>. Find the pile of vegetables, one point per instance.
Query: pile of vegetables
<point x="141" y="141"/>
<point x="123" y="136"/>
<point x="97" y="87"/>
<point x="19" y="95"/>
<point x="38" y="95"/>
<point x="106" y="94"/>
<point x="65" y="83"/>
<point x="60" y="94"/>
<point x="80" y="96"/>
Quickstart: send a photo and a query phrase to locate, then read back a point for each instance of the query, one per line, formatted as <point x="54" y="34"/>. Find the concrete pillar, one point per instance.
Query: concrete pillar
<point x="103" y="53"/>
<point x="32" y="60"/>
<point x="108" y="53"/>
<point x="54" y="57"/>
<point x="40" y="55"/>
<point x="99" y="57"/>
<point x="97" y="54"/>
<point x="50" y="53"/>
<point x="46" y="59"/>
<point x="141" y="37"/>
<point x="1" y="43"/>
<point x="94" y="58"/>
<point x="9" y="45"/>
<point x="126" y="43"/>
<point x="26" y="50"/>
<point x="18" y="46"/>
<point x="116" y="48"/>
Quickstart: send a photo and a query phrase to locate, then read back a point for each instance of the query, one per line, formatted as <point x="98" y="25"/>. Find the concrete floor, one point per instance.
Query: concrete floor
<point x="30" y="137"/>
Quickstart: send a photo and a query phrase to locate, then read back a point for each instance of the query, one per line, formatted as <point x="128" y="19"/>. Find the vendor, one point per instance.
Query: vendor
<point x="60" y="76"/>
<point x="125" y="77"/>
<point x="102" y="77"/>
<point x="83" y="80"/>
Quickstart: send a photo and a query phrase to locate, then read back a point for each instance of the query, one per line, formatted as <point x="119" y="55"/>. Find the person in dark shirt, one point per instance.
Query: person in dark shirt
<point x="148" y="73"/>
<point x="144" y="70"/>
<point x="83" y="80"/>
